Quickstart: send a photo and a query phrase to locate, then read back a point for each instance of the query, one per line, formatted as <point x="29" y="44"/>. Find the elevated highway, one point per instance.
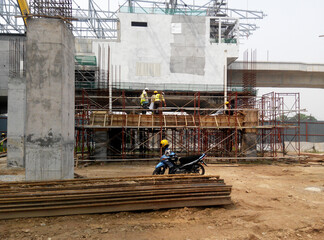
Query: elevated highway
<point x="280" y="74"/>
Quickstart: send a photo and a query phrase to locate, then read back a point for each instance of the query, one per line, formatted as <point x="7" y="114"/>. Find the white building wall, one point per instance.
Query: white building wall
<point x="172" y="49"/>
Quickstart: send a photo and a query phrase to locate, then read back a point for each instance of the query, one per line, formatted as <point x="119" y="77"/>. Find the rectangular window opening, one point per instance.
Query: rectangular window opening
<point x="139" y="24"/>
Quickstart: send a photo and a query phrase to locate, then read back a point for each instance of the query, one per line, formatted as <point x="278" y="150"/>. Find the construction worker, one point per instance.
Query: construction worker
<point x="158" y="99"/>
<point x="223" y="111"/>
<point x="2" y="145"/>
<point x="165" y="147"/>
<point x="144" y="100"/>
<point x="168" y="155"/>
<point x="228" y="107"/>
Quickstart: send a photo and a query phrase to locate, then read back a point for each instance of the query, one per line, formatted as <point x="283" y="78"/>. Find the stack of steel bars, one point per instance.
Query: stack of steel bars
<point x="103" y="195"/>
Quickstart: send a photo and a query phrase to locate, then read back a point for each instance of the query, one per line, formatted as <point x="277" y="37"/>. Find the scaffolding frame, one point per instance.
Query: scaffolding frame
<point x="276" y="110"/>
<point x="191" y="128"/>
<point x="94" y="22"/>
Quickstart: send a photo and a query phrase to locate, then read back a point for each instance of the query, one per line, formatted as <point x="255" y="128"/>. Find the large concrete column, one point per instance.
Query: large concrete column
<point x="249" y="141"/>
<point x="101" y="139"/>
<point x="249" y="138"/>
<point x="50" y="100"/>
<point x="16" y="122"/>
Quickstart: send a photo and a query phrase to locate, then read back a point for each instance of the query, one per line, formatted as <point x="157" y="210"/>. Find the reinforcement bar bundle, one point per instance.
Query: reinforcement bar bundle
<point x="104" y="195"/>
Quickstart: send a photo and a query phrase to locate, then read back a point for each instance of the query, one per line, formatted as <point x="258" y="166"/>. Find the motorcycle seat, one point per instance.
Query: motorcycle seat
<point x="188" y="159"/>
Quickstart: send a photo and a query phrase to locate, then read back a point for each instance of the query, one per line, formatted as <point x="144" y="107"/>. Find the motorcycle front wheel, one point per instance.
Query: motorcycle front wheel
<point x="159" y="171"/>
<point x="199" y="169"/>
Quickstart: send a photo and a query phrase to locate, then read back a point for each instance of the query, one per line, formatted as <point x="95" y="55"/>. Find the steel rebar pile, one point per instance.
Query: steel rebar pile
<point x="103" y="195"/>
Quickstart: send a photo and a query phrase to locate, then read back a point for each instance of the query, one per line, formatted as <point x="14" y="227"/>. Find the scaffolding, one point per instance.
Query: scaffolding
<point x="192" y="123"/>
<point x="94" y="22"/>
<point x="276" y="110"/>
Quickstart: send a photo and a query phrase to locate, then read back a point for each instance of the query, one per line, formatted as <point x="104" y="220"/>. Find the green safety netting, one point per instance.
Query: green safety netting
<point x="86" y="60"/>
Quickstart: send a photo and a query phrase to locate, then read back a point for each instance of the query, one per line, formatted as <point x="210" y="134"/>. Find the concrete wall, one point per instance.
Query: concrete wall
<point x="50" y="100"/>
<point x="4" y="74"/>
<point x="306" y="147"/>
<point x="16" y="122"/>
<point x="4" y="66"/>
<point x="171" y="49"/>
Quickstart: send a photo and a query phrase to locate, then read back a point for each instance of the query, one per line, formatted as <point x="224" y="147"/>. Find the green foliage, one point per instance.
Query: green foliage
<point x="302" y="117"/>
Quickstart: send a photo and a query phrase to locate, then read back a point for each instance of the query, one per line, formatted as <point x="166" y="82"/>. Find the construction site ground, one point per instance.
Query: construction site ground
<point x="270" y="201"/>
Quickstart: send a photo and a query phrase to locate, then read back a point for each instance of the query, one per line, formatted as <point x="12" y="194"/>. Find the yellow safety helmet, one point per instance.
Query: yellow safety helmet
<point x="164" y="142"/>
<point x="227" y="102"/>
<point x="155" y="91"/>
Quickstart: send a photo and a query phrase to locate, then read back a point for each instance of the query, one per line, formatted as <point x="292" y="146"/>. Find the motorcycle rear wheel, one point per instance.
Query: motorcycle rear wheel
<point x="159" y="171"/>
<point x="199" y="169"/>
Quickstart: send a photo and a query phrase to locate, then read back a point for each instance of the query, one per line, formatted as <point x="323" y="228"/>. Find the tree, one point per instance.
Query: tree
<point x="302" y="117"/>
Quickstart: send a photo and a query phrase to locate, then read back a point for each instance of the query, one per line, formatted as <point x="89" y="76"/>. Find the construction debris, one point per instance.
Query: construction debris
<point x="103" y="195"/>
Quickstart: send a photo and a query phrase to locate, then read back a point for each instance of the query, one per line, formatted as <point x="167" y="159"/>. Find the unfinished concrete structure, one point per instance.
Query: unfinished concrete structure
<point x="49" y="128"/>
<point x="168" y="49"/>
<point x="183" y="50"/>
<point x="16" y="102"/>
<point x="16" y="122"/>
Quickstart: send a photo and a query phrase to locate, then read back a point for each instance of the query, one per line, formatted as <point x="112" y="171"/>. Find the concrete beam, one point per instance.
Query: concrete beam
<point x="280" y="74"/>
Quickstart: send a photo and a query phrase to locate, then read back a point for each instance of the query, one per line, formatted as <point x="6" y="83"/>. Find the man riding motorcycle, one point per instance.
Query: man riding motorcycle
<point x="190" y="164"/>
<point x="168" y="156"/>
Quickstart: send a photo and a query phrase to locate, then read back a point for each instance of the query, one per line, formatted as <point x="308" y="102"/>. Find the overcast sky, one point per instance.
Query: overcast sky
<point x="289" y="33"/>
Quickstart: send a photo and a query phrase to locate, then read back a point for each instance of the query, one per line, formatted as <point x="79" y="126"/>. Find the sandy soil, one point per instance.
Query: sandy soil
<point x="269" y="202"/>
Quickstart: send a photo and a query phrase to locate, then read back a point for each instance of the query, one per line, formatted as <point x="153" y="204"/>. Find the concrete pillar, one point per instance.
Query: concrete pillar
<point x="249" y="144"/>
<point x="50" y="100"/>
<point x="16" y="122"/>
<point x="4" y="72"/>
<point x="101" y="140"/>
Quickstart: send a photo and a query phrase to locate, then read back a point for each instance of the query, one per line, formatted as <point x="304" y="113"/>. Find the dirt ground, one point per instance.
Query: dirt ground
<point x="269" y="202"/>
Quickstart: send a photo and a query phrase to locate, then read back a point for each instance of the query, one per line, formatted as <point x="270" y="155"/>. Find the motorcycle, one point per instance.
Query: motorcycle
<point x="191" y="164"/>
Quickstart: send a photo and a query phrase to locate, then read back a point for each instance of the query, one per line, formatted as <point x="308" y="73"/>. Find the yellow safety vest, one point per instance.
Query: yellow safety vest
<point x="157" y="98"/>
<point x="144" y="98"/>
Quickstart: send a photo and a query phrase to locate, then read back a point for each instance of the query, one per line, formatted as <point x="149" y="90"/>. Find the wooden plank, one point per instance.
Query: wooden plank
<point x="238" y="122"/>
<point x="93" y="118"/>
<point x="105" y="120"/>
<point x="193" y="120"/>
<point x="152" y="121"/>
<point x="139" y="121"/>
